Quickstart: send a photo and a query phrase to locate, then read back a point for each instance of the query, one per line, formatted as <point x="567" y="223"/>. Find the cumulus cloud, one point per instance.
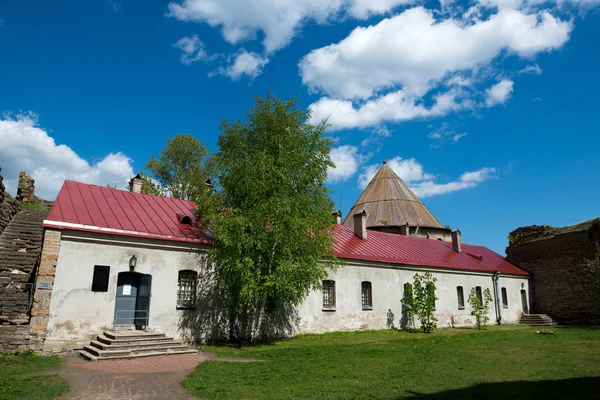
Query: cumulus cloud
<point x="393" y="107"/>
<point x="27" y="147"/>
<point x="277" y="21"/>
<point x="387" y="71"/>
<point x="422" y="183"/>
<point x="192" y="50"/>
<point x="444" y="134"/>
<point x="499" y="93"/>
<point x="243" y="63"/>
<point x="533" y="69"/>
<point x="346" y="160"/>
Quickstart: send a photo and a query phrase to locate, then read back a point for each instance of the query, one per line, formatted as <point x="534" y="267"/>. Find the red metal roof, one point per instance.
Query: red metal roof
<point x="399" y="249"/>
<point x="92" y="208"/>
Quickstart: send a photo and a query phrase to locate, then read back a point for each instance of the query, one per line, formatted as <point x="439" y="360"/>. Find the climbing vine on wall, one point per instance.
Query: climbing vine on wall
<point x="480" y="307"/>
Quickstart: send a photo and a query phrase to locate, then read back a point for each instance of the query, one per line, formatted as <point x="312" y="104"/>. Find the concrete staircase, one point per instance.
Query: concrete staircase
<point x="537" y="320"/>
<point x="133" y="344"/>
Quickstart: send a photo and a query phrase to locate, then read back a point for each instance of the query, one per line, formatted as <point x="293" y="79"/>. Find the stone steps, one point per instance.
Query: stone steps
<point x="133" y="344"/>
<point x="537" y="320"/>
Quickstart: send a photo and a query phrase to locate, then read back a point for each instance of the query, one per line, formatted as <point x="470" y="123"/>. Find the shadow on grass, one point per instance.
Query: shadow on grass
<point x="575" y="388"/>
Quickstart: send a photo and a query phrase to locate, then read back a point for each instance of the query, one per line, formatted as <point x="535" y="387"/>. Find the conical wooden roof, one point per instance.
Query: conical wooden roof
<point x="387" y="198"/>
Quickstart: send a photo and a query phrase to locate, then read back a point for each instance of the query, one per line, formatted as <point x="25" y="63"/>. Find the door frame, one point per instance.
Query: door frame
<point x="138" y="314"/>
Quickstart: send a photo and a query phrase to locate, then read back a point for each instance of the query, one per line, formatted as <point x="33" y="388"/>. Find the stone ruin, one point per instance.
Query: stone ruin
<point x="25" y="189"/>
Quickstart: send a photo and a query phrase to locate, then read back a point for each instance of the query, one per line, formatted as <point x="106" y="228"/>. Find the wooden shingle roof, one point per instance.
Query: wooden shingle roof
<point x="389" y="201"/>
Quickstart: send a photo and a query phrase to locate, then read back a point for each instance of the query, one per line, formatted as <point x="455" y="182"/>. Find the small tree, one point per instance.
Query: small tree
<point x="408" y="306"/>
<point x="480" y="307"/>
<point x="181" y="169"/>
<point x="421" y="299"/>
<point x="272" y="216"/>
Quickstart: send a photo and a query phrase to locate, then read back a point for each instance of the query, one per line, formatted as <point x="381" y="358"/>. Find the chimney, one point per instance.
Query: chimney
<point x="360" y="224"/>
<point x="456" y="240"/>
<point x="405" y="229"/>
<point x="337" y="217"/>
<point x="135" y="184"/>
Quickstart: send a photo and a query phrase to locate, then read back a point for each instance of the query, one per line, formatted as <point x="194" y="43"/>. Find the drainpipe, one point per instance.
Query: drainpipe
<point x="495" y="279"/>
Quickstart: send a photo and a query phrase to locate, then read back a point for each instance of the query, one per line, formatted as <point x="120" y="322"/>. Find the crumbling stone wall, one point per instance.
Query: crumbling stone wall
<point x="18" y="338"/>
<point x="557" y="264"/>
<point x="8" y="206"/>
<point x="26" y="188"/>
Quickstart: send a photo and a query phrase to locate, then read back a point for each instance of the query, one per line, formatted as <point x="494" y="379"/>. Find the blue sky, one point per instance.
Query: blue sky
<point x="488" y="109"/>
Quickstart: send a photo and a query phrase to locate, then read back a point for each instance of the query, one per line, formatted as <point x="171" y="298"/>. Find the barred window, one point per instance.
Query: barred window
<point x="329" y="295"/>
<point x="186" y="289"/>
<point x="504" y="298"/>
<point x="367" y="296"/>
<point x="461" y="297"/>
<point x="479" y="296"/>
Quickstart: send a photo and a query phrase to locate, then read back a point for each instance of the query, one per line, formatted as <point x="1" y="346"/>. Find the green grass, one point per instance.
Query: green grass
<point x="502" y="362"/>
<point x="26" y="375"/>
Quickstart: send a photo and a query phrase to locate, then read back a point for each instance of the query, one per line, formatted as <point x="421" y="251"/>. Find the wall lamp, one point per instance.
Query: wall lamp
<point x="132" y="263"/>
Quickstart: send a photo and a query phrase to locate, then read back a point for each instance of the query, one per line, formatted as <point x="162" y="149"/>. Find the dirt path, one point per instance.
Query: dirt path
<point x="142" y="378"/>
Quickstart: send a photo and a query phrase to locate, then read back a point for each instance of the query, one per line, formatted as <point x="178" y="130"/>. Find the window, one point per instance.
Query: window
<point x="186" y="289"/>
<point x="461" y="297"/>
<point x="504" y="298"/>
<point x="479" y="296"/>
<point x="329" y="295"/>
<point x="100" y="278"/>
<point x="367" y="296"/>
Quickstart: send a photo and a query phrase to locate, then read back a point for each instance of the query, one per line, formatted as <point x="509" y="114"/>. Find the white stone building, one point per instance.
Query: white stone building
<point x="116" y="258"/>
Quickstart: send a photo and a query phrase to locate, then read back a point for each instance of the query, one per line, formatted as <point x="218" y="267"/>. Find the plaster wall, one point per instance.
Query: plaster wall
<point x="77" y="314"/>
<point x="387" y="284"/>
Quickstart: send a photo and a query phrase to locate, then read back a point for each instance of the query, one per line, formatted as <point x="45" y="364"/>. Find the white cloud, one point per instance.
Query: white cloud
<point x="192" y="50"/>
<point x="277" y="21"/>
<point x="533" y="69"/>
<point x="244" y="63"/>
<point x="115" y="5"/>
<point x="393" y="107"/>
<point x="27" y="147"/>
<point x="415" y="50"/>
<point x="422" y="183"/>
<point x="499" y="93"/>
<point x="443" y="134"/>
<point x="387" y="71"/>
<point x="346" y="160"/>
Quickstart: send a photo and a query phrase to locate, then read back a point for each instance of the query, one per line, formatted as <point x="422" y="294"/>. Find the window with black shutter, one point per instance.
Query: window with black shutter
<point x="100" y="278"/>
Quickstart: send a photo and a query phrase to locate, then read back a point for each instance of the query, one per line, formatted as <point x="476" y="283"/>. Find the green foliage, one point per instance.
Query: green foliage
<point x="503" y="362"/>
<point x="592" y="278"/>
<point x="24" y="375"/>
<point x="109" y="186"/>
<point x="423" y="300"/>
<point x="383" y="222"/>
<point x="181" y="169"/>
<point x="409" y="301"/>
<point x="480" y="308"/>
<point x="272" y="216"/>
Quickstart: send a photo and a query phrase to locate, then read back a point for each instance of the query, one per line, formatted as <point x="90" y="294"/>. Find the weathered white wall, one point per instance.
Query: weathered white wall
<point x="77" y="314"/>
<point x="388" y="288"/>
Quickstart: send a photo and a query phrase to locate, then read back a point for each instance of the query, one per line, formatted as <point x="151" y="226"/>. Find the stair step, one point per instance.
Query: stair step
<point x="132" y="356"/>
<point x="130" y="335"/>
<point x="136" y="340"/>
<point x="119" y="346"/>
<point x="127" y="352"/>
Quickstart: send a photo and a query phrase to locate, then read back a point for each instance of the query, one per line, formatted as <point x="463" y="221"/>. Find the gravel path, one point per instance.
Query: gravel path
<point x="142" y="378"/>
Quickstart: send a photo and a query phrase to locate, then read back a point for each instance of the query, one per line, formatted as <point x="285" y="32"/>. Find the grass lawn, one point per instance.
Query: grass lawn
<point x="28" y="376"/>
<point x="500" y="363"/>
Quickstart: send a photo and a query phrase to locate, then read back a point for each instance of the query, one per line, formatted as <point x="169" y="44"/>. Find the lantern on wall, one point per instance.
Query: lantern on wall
<point x="132" y="263"/>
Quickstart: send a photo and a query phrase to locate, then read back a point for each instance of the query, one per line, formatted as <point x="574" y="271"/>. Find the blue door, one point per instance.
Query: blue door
<point x="125" y="305"/>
